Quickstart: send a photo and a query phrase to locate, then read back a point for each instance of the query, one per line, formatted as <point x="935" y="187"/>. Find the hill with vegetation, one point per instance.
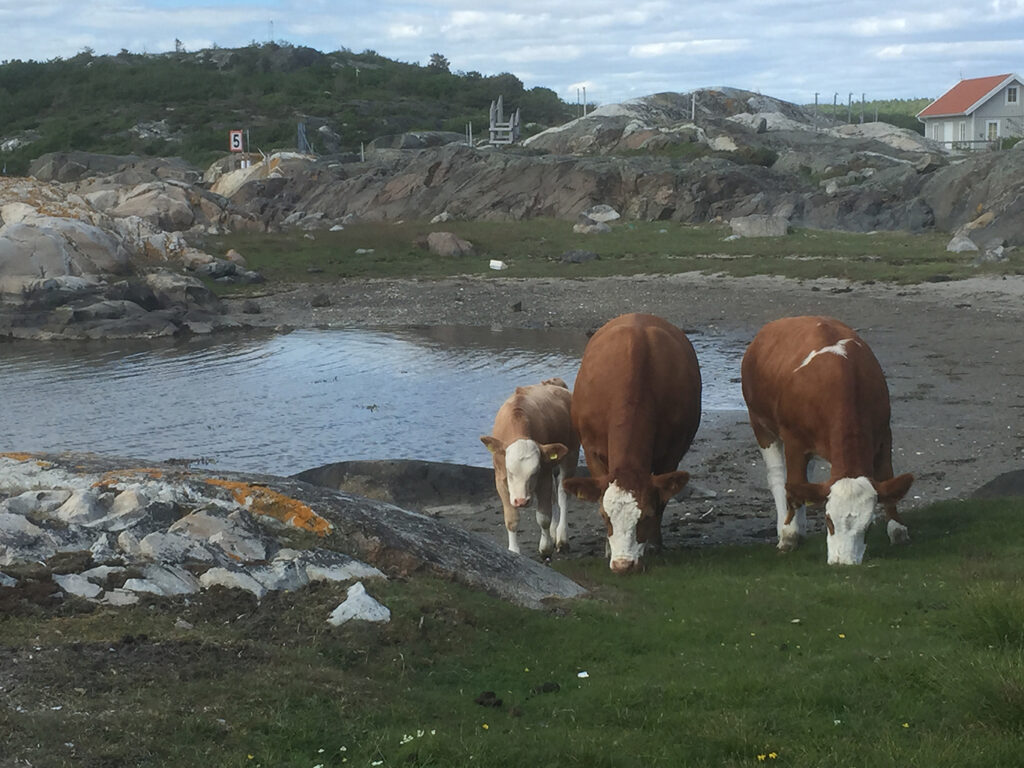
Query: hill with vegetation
<point x="183" y="104"/>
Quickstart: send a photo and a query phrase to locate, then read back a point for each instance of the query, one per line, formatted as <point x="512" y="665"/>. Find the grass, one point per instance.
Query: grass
<point x="534" y="249"/>
<point x="713" y="657"/>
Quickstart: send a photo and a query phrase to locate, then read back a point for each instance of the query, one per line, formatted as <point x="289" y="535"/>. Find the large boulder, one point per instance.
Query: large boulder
<point x="164" y="205"/>
<point x="234" y="528"/>
<point x="49" y="246"/>
<point x="759" y="225"/>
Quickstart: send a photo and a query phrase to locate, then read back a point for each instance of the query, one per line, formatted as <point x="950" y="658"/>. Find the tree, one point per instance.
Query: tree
<point x="439" y="63"/>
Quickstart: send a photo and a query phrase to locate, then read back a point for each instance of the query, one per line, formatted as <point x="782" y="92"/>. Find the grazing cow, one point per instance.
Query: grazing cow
<point x="636" y="407"/>
<point x="533" y="441"/>
<point x="814" y="388"/>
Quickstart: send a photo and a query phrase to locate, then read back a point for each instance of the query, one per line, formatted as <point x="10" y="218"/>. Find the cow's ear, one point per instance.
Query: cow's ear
<point x="553" y="452"/>
<point x="493" y="444"/>
<point x="807" y="493"/>
<point x="669" y="484"/>
<point x="586" y="488"/>
<point x="895" y="488"/>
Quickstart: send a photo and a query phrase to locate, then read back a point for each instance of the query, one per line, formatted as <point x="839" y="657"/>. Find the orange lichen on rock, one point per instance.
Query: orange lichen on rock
<point x="117" y="475"/>
<point x="17" y="456"/>
<point x="22" y="456"/>
<point x="264" y="501"/>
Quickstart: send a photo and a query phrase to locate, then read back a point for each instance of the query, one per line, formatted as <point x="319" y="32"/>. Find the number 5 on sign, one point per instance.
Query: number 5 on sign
<point x="235" y="141"/>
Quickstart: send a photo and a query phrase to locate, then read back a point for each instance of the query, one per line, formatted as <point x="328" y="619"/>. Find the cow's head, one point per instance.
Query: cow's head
<point x="520" y="462"/>
<point x="632" y="518"/>
<point x="849" y="507"/>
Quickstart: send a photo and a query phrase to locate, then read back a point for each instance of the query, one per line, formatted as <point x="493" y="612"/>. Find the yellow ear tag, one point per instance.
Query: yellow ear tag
<point x="553" y="457"/>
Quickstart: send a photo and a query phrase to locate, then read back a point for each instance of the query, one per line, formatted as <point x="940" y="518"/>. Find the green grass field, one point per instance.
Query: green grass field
<point x="730" y="656"/>
<point x="534" y="249"/>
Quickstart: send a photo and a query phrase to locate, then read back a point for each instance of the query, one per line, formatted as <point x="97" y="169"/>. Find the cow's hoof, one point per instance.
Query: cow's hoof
<point x="788" y="543"/>
<point x="562" y="547"/>
<point x="898" y="533"/>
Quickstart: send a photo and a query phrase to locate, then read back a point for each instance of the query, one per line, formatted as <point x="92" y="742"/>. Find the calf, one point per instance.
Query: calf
<point x="814" y="388"/>
<point x="636" y="406"/>
<point x="533" y="441"/>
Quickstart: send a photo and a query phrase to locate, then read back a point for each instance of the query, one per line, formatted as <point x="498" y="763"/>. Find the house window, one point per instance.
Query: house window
<point x="992" y="130"/>
<point x="1012" y="95"/>
<point x="963" y="130"/>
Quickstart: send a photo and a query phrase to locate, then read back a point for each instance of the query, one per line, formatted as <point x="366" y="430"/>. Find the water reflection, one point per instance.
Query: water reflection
<point x="286" y="403"/>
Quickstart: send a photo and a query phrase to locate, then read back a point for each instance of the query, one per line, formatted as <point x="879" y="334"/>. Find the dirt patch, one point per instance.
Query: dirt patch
<point x="950" y="350"/>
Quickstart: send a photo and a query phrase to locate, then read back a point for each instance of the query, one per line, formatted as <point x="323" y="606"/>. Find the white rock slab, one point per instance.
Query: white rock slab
<point x="78" y="585"/>
<point x="41" y="503"/>
<point x="7" y="581"/>
<point x="173" y="548"/>
<point x="359" y="606"/>
<point x="280" y="575"/>
<point x="171" y="579"/>
<point x="16" y="527"/>
<point x="82" y="507"/>
<point x="100" y="573"/>
<point x="120" y="597"/>
<point x="127" y="509"/>
<point x="326" y="565"/>
<point x="223" y="577"/>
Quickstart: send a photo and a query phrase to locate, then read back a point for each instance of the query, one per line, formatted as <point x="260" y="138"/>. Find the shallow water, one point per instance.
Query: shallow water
<point x="286" y="403"/>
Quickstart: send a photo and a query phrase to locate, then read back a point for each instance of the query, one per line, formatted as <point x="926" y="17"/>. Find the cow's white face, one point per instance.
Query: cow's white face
<point x="522" y="465"/>
<point x="623" y="513"/>
<point x="849" y="508"/>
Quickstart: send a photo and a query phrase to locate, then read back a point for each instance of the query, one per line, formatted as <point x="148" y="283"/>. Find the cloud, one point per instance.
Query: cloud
<point x="404" y="32"/>
<point x="699" y="47"/>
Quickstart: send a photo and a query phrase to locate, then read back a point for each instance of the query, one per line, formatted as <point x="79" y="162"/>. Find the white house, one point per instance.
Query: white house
<point x="975" y="113"/>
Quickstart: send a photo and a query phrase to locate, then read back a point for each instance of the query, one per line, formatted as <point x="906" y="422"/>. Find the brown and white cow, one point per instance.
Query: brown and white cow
<point x="636" y="406"/>
<point x="533" y="445"/>
<point x="814" y="388"/>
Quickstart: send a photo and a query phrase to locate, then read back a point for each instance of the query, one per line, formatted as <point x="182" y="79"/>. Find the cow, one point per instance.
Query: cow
<point x="814" y="388"/>
<point x="533" y="445"/>
<point x="636" y="407"/>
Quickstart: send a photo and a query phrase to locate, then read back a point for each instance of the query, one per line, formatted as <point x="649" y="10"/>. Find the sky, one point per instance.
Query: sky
<point x="604" y="50"/>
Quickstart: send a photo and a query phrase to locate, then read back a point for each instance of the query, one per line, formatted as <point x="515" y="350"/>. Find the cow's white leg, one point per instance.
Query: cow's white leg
<point x="544" y="515"/>
<point x="775" y="464"/>
<point x="561" y="522"/>
<point x="513" y="541"/>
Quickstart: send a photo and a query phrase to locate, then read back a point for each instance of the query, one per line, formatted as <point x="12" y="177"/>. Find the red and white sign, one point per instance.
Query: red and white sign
<point x="235" y="141"/>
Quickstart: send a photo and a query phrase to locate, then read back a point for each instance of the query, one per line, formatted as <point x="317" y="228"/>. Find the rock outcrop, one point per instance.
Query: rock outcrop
<point x="86" y="223"/>
<point x="111" y="530"/>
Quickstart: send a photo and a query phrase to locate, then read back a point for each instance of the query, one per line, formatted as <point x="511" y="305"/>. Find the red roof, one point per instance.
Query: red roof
<point x="959" y="99"/>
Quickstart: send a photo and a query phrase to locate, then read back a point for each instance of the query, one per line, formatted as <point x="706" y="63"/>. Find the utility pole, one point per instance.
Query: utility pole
<point x="815" y="110"/>
<point x="862" y="107"/>
<point x="849" y="108"/>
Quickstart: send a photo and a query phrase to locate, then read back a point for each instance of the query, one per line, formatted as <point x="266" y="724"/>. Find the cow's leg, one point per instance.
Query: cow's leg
<point x="511" y="514"/>
<point x="795" y="523"/>
<point x="566" y="469"/>
<point x="543" y="493"/>
<point x="894" y="527"/>
<point x="775" y="466"/>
